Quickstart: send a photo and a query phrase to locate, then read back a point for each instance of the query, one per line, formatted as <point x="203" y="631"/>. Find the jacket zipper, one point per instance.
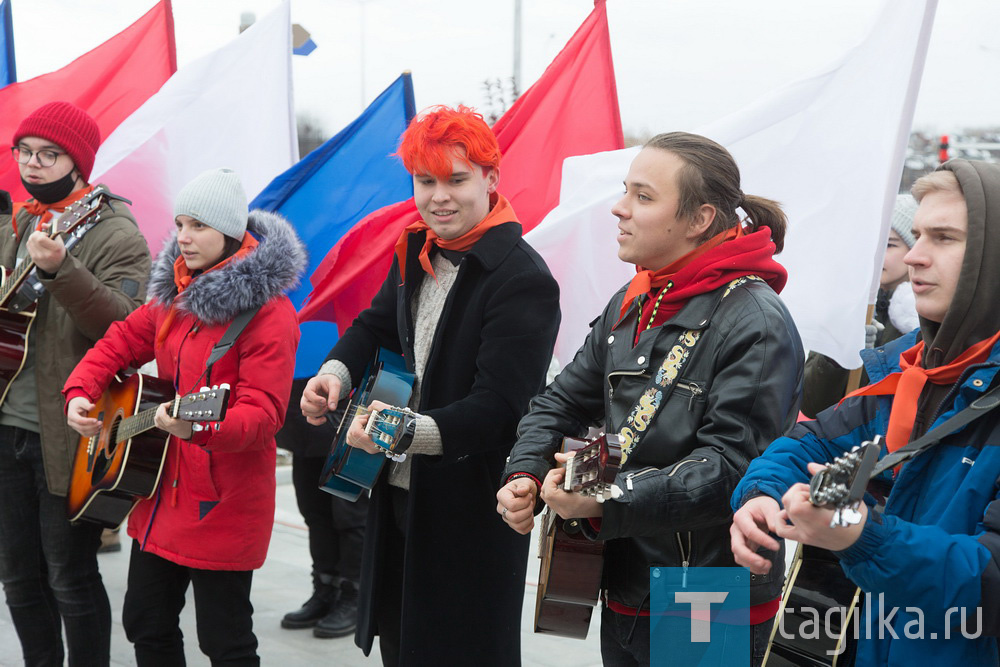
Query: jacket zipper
<point x="177" y="378"/>
<point x="695" y="390"/>
<point x="611" y="389"/>
<point x="685" y="558"/>
<point x="637" y="473"/>
<point x="679" y="465"/>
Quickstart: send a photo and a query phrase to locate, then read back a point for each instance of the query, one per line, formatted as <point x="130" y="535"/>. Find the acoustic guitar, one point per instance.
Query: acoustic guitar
<point x="121" y="465"/>
<point x="817" y="582"/>
<point x="20" y="288"/>
<point x="349" y="471"/>
<point x="569" y="579"/>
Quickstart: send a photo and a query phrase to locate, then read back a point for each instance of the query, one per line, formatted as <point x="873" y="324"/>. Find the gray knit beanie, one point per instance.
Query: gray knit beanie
<point x="217" y="199"/>
<point x="902" y="218"/>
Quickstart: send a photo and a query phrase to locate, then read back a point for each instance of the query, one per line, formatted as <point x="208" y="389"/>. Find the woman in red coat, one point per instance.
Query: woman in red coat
<point x="209" y="523"/>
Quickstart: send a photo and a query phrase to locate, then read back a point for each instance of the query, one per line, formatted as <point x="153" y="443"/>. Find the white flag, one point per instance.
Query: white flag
<point x="830" y="148"/>
<point x="231" y="108"/>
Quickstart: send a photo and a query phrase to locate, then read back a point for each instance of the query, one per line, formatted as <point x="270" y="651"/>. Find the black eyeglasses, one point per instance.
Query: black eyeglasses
<point x="46" y="157"/>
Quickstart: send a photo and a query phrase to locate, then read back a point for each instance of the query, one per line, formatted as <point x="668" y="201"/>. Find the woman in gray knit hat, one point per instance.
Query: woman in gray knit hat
<point x="209" y="522"/>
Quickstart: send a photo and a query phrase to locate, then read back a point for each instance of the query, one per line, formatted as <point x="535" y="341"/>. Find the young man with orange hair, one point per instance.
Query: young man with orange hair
<point x="474" y="312"/>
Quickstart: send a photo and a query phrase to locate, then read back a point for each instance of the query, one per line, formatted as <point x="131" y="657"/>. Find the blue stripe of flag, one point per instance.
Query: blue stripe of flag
<point x="332" y="188"/>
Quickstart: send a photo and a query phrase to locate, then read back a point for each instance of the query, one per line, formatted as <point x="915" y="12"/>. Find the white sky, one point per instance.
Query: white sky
<point x="664" y="50"/>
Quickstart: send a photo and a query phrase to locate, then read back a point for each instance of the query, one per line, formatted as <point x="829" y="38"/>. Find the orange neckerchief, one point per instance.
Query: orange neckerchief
<point x="501" y="212"/>
<point x="908" y="383"/>
<point x="183" y="278"/>
<point x="35" y="207"/>
<point x="646" y="279"/>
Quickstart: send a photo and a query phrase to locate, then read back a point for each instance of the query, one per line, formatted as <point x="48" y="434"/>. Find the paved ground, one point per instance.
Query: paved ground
<point x="282" y="585"/>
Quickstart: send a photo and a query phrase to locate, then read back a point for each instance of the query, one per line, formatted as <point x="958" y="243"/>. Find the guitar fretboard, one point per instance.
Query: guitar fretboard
<point x="140" y="423"/>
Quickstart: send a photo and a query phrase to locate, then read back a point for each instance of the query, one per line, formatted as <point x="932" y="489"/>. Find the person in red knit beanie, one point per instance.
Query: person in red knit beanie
<point x="47" y="565"/>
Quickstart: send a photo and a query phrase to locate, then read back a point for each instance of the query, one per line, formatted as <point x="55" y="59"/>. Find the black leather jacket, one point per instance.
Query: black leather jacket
<point x="739" y="391"/>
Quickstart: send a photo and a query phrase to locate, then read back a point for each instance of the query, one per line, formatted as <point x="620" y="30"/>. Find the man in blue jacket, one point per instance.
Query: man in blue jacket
<point x="931" y="558"/>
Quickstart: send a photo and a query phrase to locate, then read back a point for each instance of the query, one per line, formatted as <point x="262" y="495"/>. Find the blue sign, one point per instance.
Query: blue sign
<point x="700" y="616"/>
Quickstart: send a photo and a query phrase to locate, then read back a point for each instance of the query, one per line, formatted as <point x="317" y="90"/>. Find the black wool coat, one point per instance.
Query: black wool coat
<point x="464" y="567"/>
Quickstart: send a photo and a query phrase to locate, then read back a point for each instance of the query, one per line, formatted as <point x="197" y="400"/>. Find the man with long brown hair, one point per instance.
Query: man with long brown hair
<point x="706" y="282"/>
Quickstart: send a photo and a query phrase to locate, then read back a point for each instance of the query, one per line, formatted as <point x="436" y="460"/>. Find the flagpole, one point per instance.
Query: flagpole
<point x="361" y="5"/>
<point x="517" y="47"/>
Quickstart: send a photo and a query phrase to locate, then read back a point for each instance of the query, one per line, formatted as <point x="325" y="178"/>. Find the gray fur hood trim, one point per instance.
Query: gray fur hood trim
<point x="218" y="296"/>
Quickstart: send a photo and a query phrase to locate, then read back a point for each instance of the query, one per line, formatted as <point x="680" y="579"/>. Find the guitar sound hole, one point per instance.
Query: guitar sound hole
<point x="104" y="456"/>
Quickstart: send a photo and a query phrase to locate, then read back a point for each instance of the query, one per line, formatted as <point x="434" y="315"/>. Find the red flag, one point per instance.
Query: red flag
<point x="109" y="82"/>
<point x="571" y="110"/>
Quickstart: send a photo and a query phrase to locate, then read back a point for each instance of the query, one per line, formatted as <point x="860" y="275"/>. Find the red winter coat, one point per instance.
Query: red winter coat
<point x="214" y="508"/>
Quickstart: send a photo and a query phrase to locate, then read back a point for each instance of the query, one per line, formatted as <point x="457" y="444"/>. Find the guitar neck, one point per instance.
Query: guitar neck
<point x="141" y="422"/>
<point x="15" y="280"/>
<point x="73" y="217"/>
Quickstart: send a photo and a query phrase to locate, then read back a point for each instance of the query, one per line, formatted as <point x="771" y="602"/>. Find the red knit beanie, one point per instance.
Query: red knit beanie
<point x="70" y="127"/>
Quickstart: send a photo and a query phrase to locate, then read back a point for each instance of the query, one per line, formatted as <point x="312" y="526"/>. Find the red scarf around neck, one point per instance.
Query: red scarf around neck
<point x="501" y="212"/>
<point x="909" y="382"/>
<point x="44" y="211"/>
<point x="723" y="258"/>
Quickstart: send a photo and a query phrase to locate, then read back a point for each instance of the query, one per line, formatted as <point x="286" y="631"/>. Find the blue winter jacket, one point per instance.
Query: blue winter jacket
<point x="937" y="545"/>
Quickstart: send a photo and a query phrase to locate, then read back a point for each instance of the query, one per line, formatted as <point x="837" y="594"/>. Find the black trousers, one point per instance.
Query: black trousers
<point x="389" y="603"/>
<point x="155" y="598"/>
<point x="336" y="526"/>
<point x="48" y="567"/>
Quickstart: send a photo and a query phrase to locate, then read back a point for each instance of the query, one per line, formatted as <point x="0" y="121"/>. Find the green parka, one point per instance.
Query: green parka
<point x="102" y="279"/>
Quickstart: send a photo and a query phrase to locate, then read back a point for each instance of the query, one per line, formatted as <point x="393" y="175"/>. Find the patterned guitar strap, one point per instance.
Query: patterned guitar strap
<point x="662" y="383"/>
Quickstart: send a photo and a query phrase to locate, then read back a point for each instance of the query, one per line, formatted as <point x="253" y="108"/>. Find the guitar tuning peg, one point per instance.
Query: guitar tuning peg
<point x="204" y="389"/>
<point x="224" y="385"/>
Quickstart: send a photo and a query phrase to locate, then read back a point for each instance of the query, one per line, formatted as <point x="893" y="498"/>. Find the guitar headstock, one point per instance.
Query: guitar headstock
<point x="841" y="485"/>
<point x="592" y="469"/>
<point x="387" y="426"/>
<point x="208" y="404"/>
<point x="79" y="212"/>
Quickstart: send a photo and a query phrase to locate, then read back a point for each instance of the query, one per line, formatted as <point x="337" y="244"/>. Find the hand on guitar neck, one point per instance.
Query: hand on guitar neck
<point x="567" y="504"/>
<point x="182" y="429"/>
<point x="803" y="521"/>
<point x="356" y="435"/>
<point x="381" y="428"/>
<point x="47" y="252"/>
<point x="828" y="512"/>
